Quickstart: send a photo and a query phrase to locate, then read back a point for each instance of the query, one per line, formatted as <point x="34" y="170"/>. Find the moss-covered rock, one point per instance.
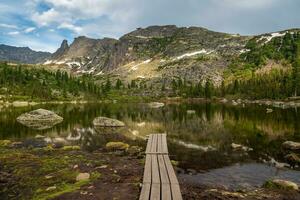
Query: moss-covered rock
<point x="281" y="184"/>
<point x="117" y="146"/>
<point x="5" y="143"/>
<point x="69" y="148"/>
<point x="134" y="150"/>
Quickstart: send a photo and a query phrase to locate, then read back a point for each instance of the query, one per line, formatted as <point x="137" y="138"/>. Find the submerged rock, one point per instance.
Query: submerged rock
<point x="281" y="184"/>
<point x="107" y="122"/>
<point x="291" y="145"/>
<point x="156" y="105"/>
<point x="117" y="146"/>
<point x="39" y="119"/>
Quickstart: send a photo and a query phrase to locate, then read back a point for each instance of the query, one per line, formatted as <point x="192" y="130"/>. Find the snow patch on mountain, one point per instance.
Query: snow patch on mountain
<point x="135" y="67"/>
<point x="202" y="51"/>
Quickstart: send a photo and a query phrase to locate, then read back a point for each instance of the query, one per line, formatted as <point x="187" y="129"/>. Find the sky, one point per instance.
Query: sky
<point x="43" y="24"/>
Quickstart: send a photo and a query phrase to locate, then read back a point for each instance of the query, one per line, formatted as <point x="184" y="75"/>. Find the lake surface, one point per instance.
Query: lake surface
<point x="200" y="136"/>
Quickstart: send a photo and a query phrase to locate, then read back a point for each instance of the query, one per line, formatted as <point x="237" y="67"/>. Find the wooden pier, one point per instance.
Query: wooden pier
<point x="160" y="181"/>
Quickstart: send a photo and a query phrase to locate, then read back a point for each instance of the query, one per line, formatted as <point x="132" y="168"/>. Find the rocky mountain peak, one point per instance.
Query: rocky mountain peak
<point x="64" y="47"/>
<point x="64" y="44"/>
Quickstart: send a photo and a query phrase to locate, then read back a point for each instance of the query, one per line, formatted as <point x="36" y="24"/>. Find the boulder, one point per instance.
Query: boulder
<point x="292" y="158"/>
<point x="291" y="145"/>
<point x="82" y="176"/>
<point x="281" y="184"/>
<point x="240" y="147"/>
<point x="156" y="105"/>
<point x="107" y="122"/>
<point x="39" y="119"/>
<point x="117" y="146"/>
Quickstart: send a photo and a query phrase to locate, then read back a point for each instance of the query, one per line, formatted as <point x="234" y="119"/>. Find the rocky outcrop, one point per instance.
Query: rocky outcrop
<point x="63" y="49"/>
<point x="39" y="119"/>
<point x="107" y="122"/>
<point x="291" y="145"/>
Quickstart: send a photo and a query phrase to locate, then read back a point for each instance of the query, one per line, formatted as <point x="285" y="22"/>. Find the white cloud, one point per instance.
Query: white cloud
<point x="29" y="30"/>
<point x="47" y="17"/>
<point x="71" y="27"/>
<point x="8" y="26"/>
<point x="248" y="4"/>
<point x="13" y="33"/>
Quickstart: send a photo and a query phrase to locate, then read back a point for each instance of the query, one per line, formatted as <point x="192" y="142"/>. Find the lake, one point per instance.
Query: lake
<point x="203" y="137"/>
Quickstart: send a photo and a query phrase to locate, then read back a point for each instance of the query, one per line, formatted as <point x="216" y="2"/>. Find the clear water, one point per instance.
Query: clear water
<point x="200" y="140"/>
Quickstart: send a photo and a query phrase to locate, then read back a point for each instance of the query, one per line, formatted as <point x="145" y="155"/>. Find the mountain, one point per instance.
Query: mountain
<point x="22" y="55"/>
<point x="157" y="55"/>
<point x="152" y="53"/>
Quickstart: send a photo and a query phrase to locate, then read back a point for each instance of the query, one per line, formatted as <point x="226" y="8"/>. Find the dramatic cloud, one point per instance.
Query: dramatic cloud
<point x="42" y="19"/>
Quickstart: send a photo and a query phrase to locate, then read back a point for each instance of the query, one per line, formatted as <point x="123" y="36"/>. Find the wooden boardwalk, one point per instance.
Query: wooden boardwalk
<point x="160" y="181"/>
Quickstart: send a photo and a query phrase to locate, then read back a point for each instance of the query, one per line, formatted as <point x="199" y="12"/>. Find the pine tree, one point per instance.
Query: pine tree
<point x="208" y="89"/>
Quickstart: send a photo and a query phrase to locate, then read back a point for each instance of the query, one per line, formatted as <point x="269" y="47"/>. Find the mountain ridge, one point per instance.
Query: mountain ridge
<point x="22" y="54"/>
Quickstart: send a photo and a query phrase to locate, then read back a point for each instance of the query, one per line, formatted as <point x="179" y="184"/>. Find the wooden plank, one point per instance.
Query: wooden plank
<point x="149" y="143"/>
<point x="164" y="143"/>
<point x="155" y="192"/>
<point x="164" y="178"/>
<point x="176" y="194"/>
<point x="163" y="171"/>
<point x="166" y="192"/>
<point x="145" y="193"/>
<point x="159" y="144"/>
<point x="155" y="169"/>
<point x="171" y="172"/>
<point x="154" y="144"/>
<point x="160" y="181"/>
<point x="147" y="170"/>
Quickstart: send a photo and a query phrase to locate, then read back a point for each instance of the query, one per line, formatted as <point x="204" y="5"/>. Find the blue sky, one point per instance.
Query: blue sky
<point x="43" y="24"/>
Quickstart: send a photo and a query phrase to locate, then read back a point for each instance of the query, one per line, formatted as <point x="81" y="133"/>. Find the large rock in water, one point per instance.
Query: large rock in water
<point x="291" y="145"/>
<point x="39" y="119"/>
<point x="107" y="122"/>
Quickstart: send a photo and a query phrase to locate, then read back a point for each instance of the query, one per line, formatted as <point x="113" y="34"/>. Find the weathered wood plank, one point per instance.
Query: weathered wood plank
<point x="145" y="193"/>
<point x="164" y="143"/>
<point x="149" y="144"/>
<point x="159" y="143"/>
<point x="160" y="181"/>
<point x="147" y="170"/>
<point x="154" y="144"/>
<point x="155" y="170"/>
<point x="166" y="192"/>
<point x="155" y="192"/>
<point x="176" y="194"/>
<point x="171" y="172"/>
<point x="163" y="171"/>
